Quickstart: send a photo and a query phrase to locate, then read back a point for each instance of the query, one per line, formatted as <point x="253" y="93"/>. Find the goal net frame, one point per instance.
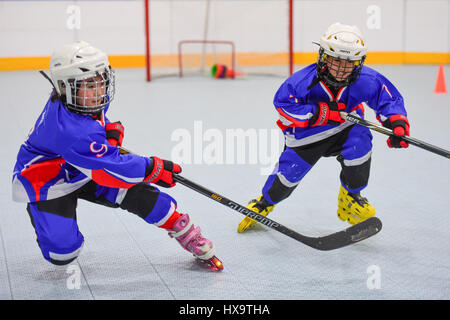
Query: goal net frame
<point x="205" y="41"/>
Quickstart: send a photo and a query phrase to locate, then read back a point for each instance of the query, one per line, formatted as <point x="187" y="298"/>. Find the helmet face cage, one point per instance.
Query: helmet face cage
<point x="89" y="95"/>
<point x="345" y="71"/>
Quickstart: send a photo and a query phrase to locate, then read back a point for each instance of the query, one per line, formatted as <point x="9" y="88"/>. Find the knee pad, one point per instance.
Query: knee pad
<point x="358" y="143"/>
<point x="292" y="166"/>
<point x="146" y="201"/>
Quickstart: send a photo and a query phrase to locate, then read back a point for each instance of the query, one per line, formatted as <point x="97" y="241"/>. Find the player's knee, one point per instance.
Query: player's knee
<point x="362" y="148"/>
<point x="291" y="167"/>
<point x="61" y="249"/>
<point x="358" y="159"/>
<point x="140" y="199"/>
<point x="146" y="202"/>
<point x="359" y="143"/>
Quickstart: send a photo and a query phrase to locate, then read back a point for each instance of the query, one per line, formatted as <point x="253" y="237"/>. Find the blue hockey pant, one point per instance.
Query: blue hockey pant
<point x="352" y="147"/>
<point x="55" y="221"/>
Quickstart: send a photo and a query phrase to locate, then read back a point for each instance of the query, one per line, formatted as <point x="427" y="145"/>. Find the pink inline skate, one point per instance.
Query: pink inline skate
<point x="191" y="239"/>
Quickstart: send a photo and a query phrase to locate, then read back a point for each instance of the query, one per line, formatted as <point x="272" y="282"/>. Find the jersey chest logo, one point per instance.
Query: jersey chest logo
<point x="98" y="149"/>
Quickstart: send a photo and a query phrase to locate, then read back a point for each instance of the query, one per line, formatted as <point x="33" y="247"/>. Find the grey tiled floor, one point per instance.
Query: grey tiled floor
<point x="125" y="258"/>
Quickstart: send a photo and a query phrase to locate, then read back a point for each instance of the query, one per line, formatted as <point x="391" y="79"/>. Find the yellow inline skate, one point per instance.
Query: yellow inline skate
<point x="353" y="208"/>
<point x="260" y="206"/>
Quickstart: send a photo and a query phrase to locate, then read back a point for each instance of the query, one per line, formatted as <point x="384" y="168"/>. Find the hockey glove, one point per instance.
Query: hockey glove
<point x="327" y="113"/>
<point x="400" y="126"/>
<point x="160" y="172"/>
<point x="114" y="133"/>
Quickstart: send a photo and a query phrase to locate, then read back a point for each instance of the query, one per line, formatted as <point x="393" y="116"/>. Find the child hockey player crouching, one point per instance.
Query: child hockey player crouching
<point x="309" y="104"/>
<point x="71" y="153"/>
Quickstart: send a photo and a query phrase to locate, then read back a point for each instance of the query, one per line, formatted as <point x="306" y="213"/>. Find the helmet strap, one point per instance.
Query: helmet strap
<point x="50" y="80"/>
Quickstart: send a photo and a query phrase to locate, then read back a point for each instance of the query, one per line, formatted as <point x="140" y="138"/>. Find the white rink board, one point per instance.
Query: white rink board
<point x="117" y="27"/>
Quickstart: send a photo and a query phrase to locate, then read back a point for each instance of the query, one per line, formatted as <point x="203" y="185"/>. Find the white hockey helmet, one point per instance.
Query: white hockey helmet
<point x="74" y="63"/>
<point x="343" y="42"/>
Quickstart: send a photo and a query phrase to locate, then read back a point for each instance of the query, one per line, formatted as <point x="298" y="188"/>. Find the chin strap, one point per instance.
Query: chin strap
<point x="48" y="78"/>
<point x="51" y="82"/>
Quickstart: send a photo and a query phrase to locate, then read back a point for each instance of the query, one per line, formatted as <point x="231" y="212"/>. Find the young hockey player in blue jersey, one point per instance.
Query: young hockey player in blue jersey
<point x="310" y="103"/>
<point x="72" y="153"/>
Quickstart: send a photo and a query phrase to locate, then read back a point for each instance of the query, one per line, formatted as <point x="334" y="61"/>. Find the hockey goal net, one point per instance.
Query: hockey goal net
<point x="190" y="37"/>
<point x="192" y="61"/>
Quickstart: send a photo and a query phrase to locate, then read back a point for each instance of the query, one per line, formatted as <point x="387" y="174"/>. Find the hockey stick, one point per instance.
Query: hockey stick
<point x="389" y="132"/>
<point x="353" y="234"/>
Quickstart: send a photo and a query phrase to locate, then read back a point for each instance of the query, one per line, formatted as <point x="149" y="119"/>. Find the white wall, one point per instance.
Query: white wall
<point x="428" y="26"/>
<point x="34" y="28"/>
<point x="313" y="17"/>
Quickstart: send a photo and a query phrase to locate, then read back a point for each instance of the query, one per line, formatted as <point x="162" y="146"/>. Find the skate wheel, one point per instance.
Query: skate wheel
<point x="215" y="262"/>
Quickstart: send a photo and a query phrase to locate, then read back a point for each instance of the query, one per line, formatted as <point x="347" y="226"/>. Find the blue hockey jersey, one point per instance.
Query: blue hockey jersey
<point x="296" y="104"/>
<point x="64" y="151"/>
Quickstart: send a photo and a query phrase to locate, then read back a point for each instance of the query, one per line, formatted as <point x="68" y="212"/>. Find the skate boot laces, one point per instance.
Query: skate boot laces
<point x="261" y="205"/>
<point x="362" y="201"/>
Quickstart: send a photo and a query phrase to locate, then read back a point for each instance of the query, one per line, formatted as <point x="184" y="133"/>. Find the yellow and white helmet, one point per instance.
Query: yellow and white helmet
<point x="74" y="63"/>
<point x="343" y="42"/>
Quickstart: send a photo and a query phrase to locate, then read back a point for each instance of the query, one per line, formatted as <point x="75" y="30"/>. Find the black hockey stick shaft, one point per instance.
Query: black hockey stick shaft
<point x="336" y="240"/>
<point x="389" y="132"/>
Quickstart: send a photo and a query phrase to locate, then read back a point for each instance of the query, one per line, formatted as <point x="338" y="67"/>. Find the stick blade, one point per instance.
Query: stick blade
<point x="353" y="234"/>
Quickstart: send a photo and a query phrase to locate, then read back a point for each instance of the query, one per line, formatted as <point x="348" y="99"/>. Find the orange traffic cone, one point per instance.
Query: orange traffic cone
<point x="220" y="71"/>
<point x="440" y="81"/>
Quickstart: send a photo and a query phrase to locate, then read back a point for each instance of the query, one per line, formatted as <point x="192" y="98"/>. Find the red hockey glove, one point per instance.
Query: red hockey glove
<point x="161" y="172"/>
<point x="400" y="125"/>
<point x="327" y="113"/>
<point x="114" y="133"/>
